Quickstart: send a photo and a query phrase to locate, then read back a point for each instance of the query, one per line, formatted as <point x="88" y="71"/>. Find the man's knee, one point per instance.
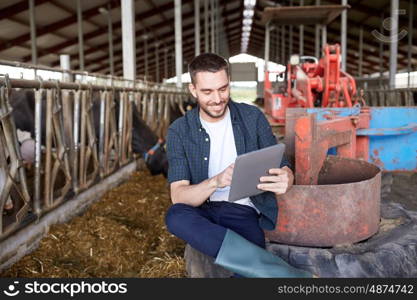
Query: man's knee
<point x="174" y="216"/>
<point x="256" y="235"/>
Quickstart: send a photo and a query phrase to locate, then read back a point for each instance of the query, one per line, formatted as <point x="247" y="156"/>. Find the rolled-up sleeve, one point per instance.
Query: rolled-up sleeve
<point x="178" y="168"/>
<point x="266" y="137"/>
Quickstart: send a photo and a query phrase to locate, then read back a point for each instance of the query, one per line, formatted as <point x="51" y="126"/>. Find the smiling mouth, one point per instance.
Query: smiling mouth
<point x="218" y="108"/>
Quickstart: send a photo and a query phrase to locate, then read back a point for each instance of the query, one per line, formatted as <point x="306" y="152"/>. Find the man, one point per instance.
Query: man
<point x="201" y="148"/>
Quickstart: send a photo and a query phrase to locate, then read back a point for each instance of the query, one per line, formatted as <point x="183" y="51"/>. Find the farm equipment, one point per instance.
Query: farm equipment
<point x="336" y="199"/>
<point x="322" y="114"/>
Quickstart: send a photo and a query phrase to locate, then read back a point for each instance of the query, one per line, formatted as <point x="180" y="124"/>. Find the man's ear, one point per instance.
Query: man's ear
<point x="192" y="89"/>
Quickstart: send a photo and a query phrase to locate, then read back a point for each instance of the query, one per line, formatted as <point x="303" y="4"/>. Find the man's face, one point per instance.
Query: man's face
<point x="212" y="92"/>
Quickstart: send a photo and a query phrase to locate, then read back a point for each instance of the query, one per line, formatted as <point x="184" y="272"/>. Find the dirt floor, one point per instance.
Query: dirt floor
<point x="122" y="235"/>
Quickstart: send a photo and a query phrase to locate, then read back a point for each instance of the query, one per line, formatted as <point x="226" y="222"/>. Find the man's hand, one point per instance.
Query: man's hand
<point x="224" y="178"/>
<point x="279" y="181"/>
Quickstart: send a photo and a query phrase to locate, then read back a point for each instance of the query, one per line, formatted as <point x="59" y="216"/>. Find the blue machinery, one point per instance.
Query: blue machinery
<point x="392" y="134"/>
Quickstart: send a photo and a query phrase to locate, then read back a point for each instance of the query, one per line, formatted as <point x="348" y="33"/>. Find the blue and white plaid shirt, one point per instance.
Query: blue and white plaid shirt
<point x="188" y="149"/>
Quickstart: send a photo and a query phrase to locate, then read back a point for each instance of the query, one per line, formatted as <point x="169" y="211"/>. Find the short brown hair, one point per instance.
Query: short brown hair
<point x="207" y="62"/>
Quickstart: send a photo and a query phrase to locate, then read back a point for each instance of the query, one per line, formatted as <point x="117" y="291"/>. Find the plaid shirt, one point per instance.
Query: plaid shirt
<point x="188" y="149"/>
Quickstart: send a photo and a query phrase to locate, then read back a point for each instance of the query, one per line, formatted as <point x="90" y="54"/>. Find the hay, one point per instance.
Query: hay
<point x="122" y="235"/>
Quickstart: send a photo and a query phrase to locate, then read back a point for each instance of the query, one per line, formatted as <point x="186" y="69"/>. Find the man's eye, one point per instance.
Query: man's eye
<point x="207" y="92"/>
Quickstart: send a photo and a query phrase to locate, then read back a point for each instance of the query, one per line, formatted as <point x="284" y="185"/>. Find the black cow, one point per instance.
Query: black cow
<point x="144" y="141"/>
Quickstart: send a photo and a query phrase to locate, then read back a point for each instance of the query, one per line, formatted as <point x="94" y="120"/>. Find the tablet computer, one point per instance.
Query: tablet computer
<point x="249" y="167"/>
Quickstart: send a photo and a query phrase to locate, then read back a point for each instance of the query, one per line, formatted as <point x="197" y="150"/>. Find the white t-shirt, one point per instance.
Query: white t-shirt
<point x="222" y="154"/>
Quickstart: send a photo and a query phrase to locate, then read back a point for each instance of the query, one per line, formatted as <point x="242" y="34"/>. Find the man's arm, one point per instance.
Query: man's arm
<point x="197" y="194"/>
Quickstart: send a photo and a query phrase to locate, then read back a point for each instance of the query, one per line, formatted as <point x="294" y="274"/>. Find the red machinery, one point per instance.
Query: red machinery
<point x="336" y="198"/>
<point x="310" y="83"/>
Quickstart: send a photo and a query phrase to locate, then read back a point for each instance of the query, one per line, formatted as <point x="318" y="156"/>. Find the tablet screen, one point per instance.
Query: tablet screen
<point x="249" y="167"/>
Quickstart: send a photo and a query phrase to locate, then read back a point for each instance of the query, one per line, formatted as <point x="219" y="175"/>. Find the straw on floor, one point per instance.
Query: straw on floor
<point x="122" y="235"/>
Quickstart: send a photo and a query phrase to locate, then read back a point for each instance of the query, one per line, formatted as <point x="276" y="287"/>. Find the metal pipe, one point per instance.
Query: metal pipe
<point x="301" y="35"/>
<point x="381" y="50"/>
<point x="197" y="27"/>
<point x="283" y="59"/>
<point x="277" y="37"/>
<point x="101" y="141"/>
<point x="212" y="12"/>
<point x="217" y="26"/>
<point x="128" y="39"/>
<point x="35" y="84"/>
<point x="81" y="167"/>
<point x="166" y="62"/>
<point x="145" y="46"/>
<point x="73" y="72"/>
<point x="122" y="106"/>
<point x="317" y="37"/>
<point x="393" y="43"/>
<point x="206" y="26"/>
<point x="76" y="141"/>
<point x="323" y="35"/>
<point x="410" y="40"/>
<point x="267" y="41"/>
<point x="38" y="145"/>
<point x="360" y="51"/>
<point x="64" y="60"/>
<point x="272" y="44"/>
<point x="80" y="35"/>
<point x="290" y="37"/>
<point x="157" y="60"/>
<point x="33" y="32"/>
<point x="317" y="41"/>
<point x="48" y="194"/>
<point x="178" y="43"/>
<point x="215" y="6"/>
<point x="343" y="34"/>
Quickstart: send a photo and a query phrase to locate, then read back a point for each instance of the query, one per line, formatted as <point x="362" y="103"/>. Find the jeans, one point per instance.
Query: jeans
<point x="204" y="227"/>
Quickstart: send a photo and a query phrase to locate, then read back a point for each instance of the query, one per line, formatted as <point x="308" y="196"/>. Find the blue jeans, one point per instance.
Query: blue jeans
<point x="204" y="227"/>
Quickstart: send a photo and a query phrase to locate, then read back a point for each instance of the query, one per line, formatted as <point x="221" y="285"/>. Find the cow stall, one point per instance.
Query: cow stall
<point x="76" y="158"/>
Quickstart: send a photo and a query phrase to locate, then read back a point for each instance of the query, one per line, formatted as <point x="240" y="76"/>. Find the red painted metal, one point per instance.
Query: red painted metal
<point x="336" y="198"/>
<point x="313" y="139"/>
<point x="344" y="208"/>
<point x="307" y="84"/>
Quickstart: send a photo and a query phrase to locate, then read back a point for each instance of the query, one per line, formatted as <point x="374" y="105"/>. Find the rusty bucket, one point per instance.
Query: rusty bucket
<point x="344" y="208"/>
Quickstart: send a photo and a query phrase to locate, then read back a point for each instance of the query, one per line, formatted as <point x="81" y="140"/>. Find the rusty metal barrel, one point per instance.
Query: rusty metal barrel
<point x="344" y="208"/>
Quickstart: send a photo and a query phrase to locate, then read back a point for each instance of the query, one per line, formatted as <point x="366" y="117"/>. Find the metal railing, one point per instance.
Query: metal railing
<point x="393" y="97"/>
